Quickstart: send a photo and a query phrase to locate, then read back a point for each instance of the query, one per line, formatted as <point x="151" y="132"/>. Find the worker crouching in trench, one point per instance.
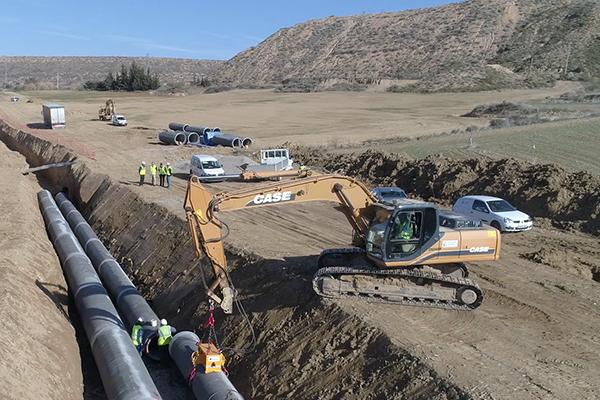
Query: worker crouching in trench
<point x="157" y="341"/>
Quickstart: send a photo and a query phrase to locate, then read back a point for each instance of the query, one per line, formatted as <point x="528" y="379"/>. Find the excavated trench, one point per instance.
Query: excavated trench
<point x="305" y="348"/>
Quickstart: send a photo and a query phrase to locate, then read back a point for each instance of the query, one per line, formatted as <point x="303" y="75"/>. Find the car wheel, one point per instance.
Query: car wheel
<point x="496" y="224"/>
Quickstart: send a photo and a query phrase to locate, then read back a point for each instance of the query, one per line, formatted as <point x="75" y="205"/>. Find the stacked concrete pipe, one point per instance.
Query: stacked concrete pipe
<point x="214" y="386"/>
<point x="198" y="129"/>
<point x="192" y="138"/>
<point x="172" y="137"/>
<point x="176" y="126"/>
<point x="227" y="140"/>
<point x="124" y="375"/>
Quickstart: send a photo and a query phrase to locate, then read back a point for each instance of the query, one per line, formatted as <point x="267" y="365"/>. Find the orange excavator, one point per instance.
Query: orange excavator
<point x="402" y="253"/>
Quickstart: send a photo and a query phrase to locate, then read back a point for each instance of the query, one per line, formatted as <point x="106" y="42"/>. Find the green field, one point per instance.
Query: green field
<point x="573" y="144"/>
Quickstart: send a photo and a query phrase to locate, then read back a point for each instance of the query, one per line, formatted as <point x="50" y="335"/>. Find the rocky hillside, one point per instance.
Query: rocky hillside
<point x="41" y="72"/>
<point x="473" y="45"/>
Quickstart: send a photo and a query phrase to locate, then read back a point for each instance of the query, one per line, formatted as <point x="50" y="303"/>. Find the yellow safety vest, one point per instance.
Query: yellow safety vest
<point x="164" y="335"/>
<point x="168" y="171"/>
<point x="142" y="171"/>
<point x="153" y="169"/>
<point x="135" y="333"/>
<point x="161" y="170"/>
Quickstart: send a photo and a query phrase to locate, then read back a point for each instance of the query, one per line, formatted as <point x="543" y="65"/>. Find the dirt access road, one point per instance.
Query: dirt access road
<point x="536" y="335"/>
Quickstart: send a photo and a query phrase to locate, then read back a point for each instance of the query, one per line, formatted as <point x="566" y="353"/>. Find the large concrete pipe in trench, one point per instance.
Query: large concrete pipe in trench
<point x="192" y="138"/>
<point x="227" y="140"/>
<point x="214" y="386"/>
<point x="172" y="137"/>
<point x="132" y="305"/>
<point x="176" y="126"/>
<point x="128" y="300"/>
<point x="121" y="369"/>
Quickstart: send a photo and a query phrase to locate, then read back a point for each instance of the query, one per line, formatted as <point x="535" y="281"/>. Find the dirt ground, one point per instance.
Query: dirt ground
<point x="535" y="336"/>
<point x="39" y="355"/>
<point x="327" y="118"/>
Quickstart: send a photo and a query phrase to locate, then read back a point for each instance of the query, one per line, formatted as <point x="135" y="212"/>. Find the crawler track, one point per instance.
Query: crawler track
<point x="417" y="287"/>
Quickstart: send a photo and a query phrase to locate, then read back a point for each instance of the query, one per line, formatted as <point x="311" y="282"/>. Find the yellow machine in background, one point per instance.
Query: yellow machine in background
<point x="106" y="112"/>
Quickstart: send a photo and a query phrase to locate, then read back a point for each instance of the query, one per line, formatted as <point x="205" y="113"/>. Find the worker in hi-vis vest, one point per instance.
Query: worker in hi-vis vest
<point x="161" y="174"/>
<point x="142" y="172"/>
<point x="137" y="334"/>
<point x="168" y="173"/>
<point x="164" y="333"/>
<point x="153" y="172"/>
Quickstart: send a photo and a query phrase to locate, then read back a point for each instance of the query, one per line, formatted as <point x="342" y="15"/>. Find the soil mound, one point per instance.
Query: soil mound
<point x="568" y="199"/>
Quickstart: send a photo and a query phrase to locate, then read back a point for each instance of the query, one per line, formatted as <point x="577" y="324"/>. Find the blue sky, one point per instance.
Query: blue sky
<point x="186" y="28"/>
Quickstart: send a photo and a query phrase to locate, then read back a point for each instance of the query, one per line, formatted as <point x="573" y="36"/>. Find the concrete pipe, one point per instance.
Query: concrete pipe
<point x="192" y="138"/>
<point x="216" y="129"/>
<point x="176" y="126"/>
<point x="172" y="137"/>
<point x="198" y="129"/>
<point x="246" y="142"/>
<point x="214" y="386"/>
<point x="227" y="140"/>
<point x="208" y="137"/>
<point x="124" y="375"/>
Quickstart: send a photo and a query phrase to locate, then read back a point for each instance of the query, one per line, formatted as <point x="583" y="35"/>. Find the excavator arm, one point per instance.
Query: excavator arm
<point x="201" y="207"/>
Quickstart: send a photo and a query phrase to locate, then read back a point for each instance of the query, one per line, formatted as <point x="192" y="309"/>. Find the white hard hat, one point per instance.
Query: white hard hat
<point x="154" y="322"/>
<point x="140" y="320"/>
<point x="144" y="162"/>
<point x="163" y="321"/>
<point x="168" y="163"/>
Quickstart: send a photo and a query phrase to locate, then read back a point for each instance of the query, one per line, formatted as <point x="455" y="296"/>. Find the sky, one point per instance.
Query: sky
<point x="177" y="28"/>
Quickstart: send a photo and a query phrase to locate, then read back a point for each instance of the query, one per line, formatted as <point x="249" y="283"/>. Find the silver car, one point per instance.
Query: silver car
<point x="389" y="195"/>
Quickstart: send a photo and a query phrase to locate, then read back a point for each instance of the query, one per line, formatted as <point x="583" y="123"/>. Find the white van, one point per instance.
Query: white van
<point x="203" y="165"/>
<point x="278" y="157"/>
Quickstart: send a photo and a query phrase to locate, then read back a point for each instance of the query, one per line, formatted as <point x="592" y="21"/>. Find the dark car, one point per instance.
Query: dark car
<point x="389" y="195"/>
<point x="453" y="220"/>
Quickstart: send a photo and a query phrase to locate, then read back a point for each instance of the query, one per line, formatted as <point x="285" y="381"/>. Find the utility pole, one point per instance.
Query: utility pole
<point x="57" y="80"/>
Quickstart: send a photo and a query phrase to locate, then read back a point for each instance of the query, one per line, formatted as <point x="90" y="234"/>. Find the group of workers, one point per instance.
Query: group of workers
<point x="164" y="172"/>
<point x="165" y="333"/>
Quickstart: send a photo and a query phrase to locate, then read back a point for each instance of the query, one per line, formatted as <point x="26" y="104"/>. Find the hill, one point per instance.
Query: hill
<point x="41" y="72"/>
<point x="473" y="45"/>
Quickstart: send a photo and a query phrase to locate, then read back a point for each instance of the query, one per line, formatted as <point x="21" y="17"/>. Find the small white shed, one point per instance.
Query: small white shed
<point x="54" y="115"/>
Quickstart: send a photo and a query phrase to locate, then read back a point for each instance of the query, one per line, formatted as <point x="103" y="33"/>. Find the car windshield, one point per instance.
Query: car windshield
<point x="500" y="206"/>
<point x="390" y="193"/>
<point x="120" y="118"/>
<point x="210" y="164"/>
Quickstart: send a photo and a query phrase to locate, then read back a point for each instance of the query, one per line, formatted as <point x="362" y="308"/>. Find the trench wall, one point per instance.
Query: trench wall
<point x="305" y="348"/>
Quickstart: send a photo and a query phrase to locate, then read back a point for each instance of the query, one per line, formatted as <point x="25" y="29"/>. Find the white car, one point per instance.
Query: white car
<point x="204" y="165"/>
<point x="494" y="211"/>
<point x="119" y="120"/>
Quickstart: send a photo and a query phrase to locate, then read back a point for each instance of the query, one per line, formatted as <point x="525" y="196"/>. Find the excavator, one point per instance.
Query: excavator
<point x="106" y="112"/>
<point x="401" y="253"/>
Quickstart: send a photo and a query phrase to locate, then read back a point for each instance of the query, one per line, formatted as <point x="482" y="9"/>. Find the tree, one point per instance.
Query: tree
<point x="134" y="78"/>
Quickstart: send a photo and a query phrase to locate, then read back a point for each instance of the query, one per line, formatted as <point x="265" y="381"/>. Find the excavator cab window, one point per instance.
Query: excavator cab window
<point x="409" y="230"/>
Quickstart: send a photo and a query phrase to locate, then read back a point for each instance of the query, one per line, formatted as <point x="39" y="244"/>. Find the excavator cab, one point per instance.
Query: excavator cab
<point x="407" y="233"/>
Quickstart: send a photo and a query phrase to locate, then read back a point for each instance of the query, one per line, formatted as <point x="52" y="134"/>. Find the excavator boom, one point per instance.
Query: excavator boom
<point x="201" y="207"/>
